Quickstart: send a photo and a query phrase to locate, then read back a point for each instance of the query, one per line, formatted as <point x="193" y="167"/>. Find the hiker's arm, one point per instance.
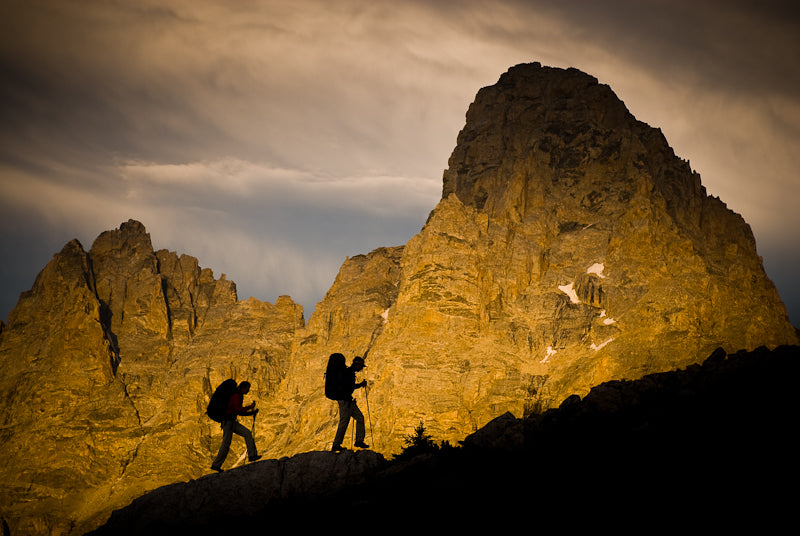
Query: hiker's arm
<point x="249" y="409"/>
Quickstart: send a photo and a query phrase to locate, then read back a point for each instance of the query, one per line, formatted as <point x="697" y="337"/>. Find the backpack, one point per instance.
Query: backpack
<point x="218" y="405"/>
<point x="335" y="378"/>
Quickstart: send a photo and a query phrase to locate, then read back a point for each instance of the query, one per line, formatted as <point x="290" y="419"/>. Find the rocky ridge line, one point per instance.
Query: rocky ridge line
<point x="710" y="439"/>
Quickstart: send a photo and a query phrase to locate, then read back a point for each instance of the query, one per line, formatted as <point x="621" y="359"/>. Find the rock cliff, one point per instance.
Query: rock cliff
<point x="571" y="247"/>
<point x="107" y="365"/>
<point x="710" y="445"/>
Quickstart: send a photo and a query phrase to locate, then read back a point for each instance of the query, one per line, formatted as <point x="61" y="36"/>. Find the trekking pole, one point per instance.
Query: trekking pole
<point x="352" y="424"/>
<point x="240" y="460"/>
<point x="369" y="417"/>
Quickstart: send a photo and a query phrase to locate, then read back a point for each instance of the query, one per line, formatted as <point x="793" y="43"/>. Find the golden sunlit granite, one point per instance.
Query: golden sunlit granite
<point x="571" y="247"/>
<point x="106" y="369"/>
<point x="626" y="446"/>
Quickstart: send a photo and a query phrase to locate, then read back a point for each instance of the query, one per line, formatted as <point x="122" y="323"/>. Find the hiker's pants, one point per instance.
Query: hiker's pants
<point x="228" y="429"/>
<point x="347" y="410"/>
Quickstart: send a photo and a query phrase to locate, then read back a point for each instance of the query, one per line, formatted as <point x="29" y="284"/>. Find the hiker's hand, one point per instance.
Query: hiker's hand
<point x="363" y="384"/>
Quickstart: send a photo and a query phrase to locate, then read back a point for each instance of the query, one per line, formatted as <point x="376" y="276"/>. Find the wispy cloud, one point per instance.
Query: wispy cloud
<point x="235" y="183"/>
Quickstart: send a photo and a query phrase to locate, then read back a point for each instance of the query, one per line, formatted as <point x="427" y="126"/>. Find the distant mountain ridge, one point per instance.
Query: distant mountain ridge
<point x="571" y="248"/>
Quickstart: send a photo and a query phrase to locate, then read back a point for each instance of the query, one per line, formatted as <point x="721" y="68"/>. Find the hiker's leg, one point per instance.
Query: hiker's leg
<point x="241" y="430"/>
<point x="344" y="420"/>
<point x="359" y="418"/>
<point x="227" y="435"/>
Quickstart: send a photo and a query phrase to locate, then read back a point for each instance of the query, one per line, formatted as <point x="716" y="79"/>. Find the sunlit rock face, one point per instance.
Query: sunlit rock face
<point x="629" y="444"/>
<point x="106" y="367"/>
<point x="349" y="320"/>
<point x="570" y="247"/>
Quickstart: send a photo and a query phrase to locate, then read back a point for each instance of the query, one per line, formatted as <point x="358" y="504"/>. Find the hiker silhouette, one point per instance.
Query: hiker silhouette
<point x="345" y="378"/>
<point x="230" y="425"/>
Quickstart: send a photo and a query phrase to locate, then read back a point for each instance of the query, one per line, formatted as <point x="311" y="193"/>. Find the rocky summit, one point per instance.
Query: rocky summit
<point x="571" y="248"/>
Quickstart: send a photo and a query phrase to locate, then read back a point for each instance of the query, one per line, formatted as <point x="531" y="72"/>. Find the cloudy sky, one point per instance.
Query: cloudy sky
<point x="271" y="139"/>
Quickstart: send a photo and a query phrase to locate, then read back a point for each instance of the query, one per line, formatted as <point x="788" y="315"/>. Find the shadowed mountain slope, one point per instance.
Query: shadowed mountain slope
<point x="712" y="445"/>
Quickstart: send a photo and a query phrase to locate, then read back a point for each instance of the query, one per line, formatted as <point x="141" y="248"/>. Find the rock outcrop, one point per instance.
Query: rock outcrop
<point x="571" y="248"/>
<point x="709" y="444"/>
<point x="215" y="504"/>
<point x="106" y="368"/>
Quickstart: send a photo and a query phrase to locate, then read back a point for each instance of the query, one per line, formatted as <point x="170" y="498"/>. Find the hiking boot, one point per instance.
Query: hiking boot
<point x="217" y="469"/>
<point x="337" y="448"/>
<point x="361" y="445"/>
<point x="254" y="458"/>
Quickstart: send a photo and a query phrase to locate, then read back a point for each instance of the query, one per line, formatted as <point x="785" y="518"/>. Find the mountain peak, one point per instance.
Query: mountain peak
<point x="553" y="118"/>
<point x="131" y="237"/>
<point x="571" y="248"/>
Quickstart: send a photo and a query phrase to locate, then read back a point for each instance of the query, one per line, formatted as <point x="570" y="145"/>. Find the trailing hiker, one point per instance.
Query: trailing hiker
<point x="224" y="407"/>
<point x="340" y="382"/>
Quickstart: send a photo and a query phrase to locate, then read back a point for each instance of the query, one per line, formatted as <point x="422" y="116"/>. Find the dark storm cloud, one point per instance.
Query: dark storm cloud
<point x="89" y="76"/>
<point x="271" y="139"/>
<point x="731" y="46"/>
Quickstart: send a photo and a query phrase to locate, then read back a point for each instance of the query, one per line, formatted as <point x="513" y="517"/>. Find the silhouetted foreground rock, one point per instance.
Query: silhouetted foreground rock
<point x="712" y="446"/>
<point x="238" y="495"/>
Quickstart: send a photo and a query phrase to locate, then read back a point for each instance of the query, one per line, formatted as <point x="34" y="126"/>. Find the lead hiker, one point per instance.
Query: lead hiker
<point x="340" y="382"/>
<point x="231" y="397"/>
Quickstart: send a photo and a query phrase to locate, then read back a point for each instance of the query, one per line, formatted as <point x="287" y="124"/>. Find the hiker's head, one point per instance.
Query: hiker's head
<point x="244" y="387"/>
<point x="358" y="363"/>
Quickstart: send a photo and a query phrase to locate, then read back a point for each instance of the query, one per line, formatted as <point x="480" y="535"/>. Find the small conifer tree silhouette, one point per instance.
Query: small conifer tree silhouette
<point x="420" y="442"/>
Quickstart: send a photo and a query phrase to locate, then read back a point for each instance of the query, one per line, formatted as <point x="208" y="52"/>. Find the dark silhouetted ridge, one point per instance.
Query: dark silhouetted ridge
<point x="712" y="445"/>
